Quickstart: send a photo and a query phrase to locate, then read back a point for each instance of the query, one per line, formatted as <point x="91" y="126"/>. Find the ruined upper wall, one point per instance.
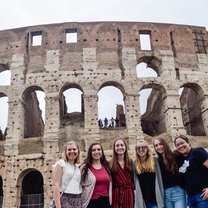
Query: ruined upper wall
<point x="106" y="37"/>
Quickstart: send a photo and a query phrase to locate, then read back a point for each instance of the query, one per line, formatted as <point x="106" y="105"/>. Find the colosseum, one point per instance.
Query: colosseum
<point x="102" y="54"/>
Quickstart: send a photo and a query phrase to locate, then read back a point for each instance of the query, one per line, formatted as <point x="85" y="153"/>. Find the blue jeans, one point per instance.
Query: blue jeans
<point x="175" y="197"/>
<point x="196" y="201"/>
<point x="151" y="205"/>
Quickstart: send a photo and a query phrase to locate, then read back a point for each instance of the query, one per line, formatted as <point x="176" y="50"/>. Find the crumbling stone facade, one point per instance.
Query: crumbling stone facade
<point x="104" y="54"/>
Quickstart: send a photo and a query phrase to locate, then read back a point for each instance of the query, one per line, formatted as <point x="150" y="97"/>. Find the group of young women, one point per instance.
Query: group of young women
<point x="168" y="180"/>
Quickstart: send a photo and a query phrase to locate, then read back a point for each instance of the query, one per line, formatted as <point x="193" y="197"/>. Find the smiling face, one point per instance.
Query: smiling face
<point x="182" y="146"/>
<point x="159" y="148"/>
<point x="142" y="149"/>
<point x="119" y="147"/>
<point x="96" y="152"/>
<point x="72" y="152"/>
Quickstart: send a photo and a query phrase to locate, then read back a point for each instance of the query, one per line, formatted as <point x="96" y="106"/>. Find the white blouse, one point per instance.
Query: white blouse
<point x="71" y="177"/>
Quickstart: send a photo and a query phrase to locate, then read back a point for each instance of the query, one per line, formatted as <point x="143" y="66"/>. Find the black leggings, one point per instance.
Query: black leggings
<point x="101" y="202"/>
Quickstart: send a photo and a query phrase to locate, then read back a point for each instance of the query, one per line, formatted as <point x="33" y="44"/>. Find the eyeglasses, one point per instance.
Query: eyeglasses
<point x="141" y="147"/>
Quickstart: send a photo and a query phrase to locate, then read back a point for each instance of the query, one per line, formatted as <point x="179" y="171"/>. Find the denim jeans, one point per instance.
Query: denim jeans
<point x="196" y="201"/>
<point x="175" y="197"/>
<point x="151" y="205"/>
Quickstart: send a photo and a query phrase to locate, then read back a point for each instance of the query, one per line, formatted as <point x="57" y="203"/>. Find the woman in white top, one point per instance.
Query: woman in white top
<point x="67" y="177"/>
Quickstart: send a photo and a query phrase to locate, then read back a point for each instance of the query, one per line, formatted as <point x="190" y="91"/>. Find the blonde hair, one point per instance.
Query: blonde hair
<point x="147" y="165"/>
<point x="77" y="160"/>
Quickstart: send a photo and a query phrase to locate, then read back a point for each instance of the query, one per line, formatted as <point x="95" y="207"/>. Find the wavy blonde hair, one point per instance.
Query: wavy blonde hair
<point x="147" y="165"/>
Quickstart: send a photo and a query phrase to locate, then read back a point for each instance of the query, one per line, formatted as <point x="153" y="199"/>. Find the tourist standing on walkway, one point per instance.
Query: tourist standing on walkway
<point x="174" y="194"/>
<point x="122" y="176"/>
<point x="147" y="178"/>
<point x="66" y="174"/>
<point x="193" y="166"/>
<point x="95" y="179"/>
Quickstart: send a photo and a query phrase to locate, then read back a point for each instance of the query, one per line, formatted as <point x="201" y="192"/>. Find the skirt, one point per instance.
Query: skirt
<point x="70" y="200"/>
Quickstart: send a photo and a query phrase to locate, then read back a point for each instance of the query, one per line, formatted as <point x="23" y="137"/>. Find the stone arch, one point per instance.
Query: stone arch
<point x="153" y="120"/>
<point x="190" y="100"/>
<point x="152" y="62"/>
<point x="73" y="120"/>
<point x="114" y="84"/>
<point x="115" y="115"/>
<point x="63" y="106"/>
<point x="30" y="188"/>
<point x="32" y="113"/>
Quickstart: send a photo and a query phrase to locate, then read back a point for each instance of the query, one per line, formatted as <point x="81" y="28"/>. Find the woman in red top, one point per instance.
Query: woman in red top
<point x="95" y="179"/>
<point x="122" y="176"/>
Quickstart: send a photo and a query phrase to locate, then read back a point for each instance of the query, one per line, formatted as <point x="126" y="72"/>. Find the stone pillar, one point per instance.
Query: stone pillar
<point x="52" y="122"/>
<point x="52" y="109"/>
<point x="133" y="121"/>
<point x="15" y="127"/>
<point x="173" y="115"/>
<point x="50" y="139"/>
<point x="9" y="185"/>
<point x="204" y="112"/>
<point x="91" y="132"/>
<point x="129" y="62"/>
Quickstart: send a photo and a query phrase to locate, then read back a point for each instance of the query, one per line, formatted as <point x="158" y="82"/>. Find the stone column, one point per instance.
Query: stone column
<point x="52" y="122"/>
<point x="15" y="127"/>
<point x="129" y="62"/>
<point x="52" y="108"/>
<point x="204" y="112"/>
<point x="133" y="121"/>
<point x="91" y="132"/>
<point x="173" y="115"/>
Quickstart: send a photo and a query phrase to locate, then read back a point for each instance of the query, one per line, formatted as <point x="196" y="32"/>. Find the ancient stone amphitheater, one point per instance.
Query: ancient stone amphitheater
<point x="102" y="54"/>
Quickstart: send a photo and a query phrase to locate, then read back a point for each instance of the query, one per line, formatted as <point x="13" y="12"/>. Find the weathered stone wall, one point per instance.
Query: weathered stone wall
<point x="105" y="54"/>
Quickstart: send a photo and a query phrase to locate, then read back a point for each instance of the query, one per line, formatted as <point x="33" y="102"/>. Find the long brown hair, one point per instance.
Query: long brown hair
<point x="114" y="161"/>
<point x="168" y="157"/>
<point x="88" y="161"/>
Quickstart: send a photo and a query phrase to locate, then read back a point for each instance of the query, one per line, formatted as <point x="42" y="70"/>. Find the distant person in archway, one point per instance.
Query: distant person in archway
<point x="67" y="177"/>
<point x="105" y="122"/>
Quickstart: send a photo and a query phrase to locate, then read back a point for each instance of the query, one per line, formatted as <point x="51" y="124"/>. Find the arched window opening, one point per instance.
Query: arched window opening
<point x="71" y="106"/>
<point x="32" y="190"/>
<point x="3" y="117"/>
<point x="71" y="113"/>
<point x="5" y="75"/>
<point x="73" y="99"/>
<point x="41" y="101"/>
<point x="111" y="111"/>
<point x="1" y="192"/>
<point x="143" y="96"/>
<point x="34" y="107"/>
<point x="151" y="109"/>
<point x="144" y="71"/>
<point x="191" y="112"/>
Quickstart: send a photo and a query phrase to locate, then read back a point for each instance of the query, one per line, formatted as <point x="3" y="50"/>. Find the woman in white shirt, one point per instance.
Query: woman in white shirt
<point x="67" y="177"/>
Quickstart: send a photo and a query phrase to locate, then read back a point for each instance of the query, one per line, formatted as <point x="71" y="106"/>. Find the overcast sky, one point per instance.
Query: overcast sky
<point x="21" y="13"/>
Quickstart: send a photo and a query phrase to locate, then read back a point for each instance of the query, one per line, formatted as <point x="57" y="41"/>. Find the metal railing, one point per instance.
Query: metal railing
<point x="32" y="201"/>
